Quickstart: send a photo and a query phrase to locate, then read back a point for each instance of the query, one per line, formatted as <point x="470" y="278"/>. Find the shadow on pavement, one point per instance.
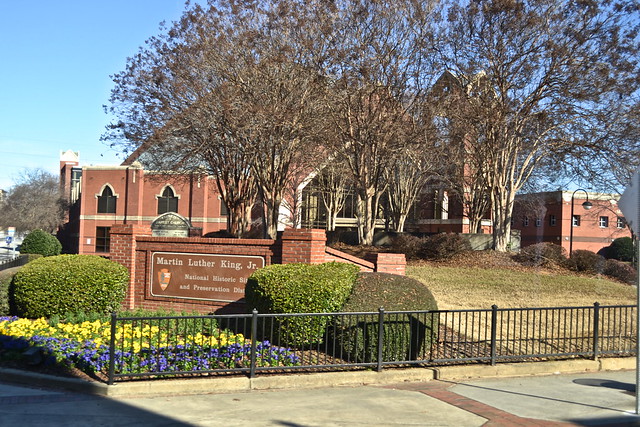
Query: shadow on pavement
<point x="622" y="421"/>
<point x="616" y="385"/>
<point x="42" y="407"/>
<point x="533" y="396"/>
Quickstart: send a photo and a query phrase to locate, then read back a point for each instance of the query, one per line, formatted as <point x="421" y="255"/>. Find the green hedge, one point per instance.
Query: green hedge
<point x="69" y="283"/>
<point x="40" y="242"/>
<point x="300" y="288"/>
<point x="405" y="336"/>
<point x="6" y="276"/>
<point x="621" y="249"/>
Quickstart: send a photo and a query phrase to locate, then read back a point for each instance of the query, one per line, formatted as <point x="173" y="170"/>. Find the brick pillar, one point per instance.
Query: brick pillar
<point x="123" y="251"/>
<point x="301" y="245"/>
<point x="391" y="263"/>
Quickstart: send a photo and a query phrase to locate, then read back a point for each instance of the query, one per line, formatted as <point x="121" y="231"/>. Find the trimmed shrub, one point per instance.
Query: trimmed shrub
<point x="6" y="276"/>
<point x="621" y="249"/>
<point x="408" y="244"/>
<point x="620" y="271"/>
<point x="300" y="288"/>
<point x="444" y="245"/>
<point x="585" y="261"/>
<point x="405" y="336"/>
<point x="69" y="283"/>
<point x="40" y="242"/>
<point x="32" y="257"/>
<point x="542" y="254"/>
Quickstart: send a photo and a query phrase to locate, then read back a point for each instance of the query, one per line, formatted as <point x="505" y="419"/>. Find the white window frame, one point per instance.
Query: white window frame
<point x="603" y="222"/>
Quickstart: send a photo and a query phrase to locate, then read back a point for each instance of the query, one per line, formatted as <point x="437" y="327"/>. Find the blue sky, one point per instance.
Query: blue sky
<point x="55" y="61"/>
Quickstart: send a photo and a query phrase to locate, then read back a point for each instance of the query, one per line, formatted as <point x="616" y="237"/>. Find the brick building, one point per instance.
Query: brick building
<point x="546" y="217"/>
<point x="435" y="211"/>
<point x="102" y="196"/>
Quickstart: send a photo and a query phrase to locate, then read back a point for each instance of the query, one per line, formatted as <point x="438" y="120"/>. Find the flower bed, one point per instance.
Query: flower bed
<point x="140" y="349"/>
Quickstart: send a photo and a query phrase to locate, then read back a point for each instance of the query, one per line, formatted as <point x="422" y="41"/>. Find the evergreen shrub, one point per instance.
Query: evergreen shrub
<point x="405" y="336"/>
<point x="6" y="276"/>
<point x="444" y="245"/>
<point x="409" y="245"/>
<point x="620" y="271"/>
<point x="542" y="254"/>
<point x="585" y="261"/>
<point x="40" y="242"/>
<point x="69" y="283"/>
<point x="621" y="249"/>
<point x="300" y="288"/>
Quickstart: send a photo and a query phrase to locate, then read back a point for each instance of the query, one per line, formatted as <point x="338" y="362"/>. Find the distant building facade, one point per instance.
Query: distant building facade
<point x="435" y="211"/>
<point x="102" y="196"/>
<point x="546" y="217"/>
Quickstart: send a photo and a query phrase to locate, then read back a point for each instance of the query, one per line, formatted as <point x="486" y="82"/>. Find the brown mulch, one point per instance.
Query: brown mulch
<point x="481" y="259"/>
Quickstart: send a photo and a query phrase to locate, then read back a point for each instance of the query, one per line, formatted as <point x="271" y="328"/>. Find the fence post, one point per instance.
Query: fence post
<point x="494" y="329"/>
<point x="254" y="343"/>
<point x="112" y="350"/>
<point x="380" y="337"/>
<point x="596" y="329"/>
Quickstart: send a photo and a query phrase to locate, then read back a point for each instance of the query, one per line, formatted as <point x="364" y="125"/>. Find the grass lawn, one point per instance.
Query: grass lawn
<point x="481" y="280"/>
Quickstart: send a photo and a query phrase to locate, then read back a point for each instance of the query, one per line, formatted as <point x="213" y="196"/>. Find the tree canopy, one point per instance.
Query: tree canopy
<point x="260" y="92"/>
<point x="34" y="202"/>
<point x="545" y="80"/>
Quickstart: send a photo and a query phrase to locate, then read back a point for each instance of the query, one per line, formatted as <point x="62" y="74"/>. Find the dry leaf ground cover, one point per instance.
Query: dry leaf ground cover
<point x="479" y="280"/>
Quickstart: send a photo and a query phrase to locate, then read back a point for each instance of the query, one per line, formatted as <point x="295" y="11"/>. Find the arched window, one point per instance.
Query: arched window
<point x="107" y="201"/>
<point x="167" y="202"/>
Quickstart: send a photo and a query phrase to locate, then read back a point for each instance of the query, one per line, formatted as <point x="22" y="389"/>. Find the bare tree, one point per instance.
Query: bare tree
<point x="332" y="184"/>
<point x="555" y="78"/>
<point x="370" y="53"/>
<point x="223" y="88"/>
<point x="407" y="175"/>
<point x="35" y="201"/>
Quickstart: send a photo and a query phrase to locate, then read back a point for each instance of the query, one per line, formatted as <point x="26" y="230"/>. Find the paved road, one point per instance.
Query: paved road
<point x="598" y="398"/>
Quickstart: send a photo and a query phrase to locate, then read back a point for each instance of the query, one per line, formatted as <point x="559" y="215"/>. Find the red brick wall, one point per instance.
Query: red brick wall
<point x="390" y="263"/>
<point x="303" y="245"/>
<point x="137" y="202"/>
<point x="338" y="256"/>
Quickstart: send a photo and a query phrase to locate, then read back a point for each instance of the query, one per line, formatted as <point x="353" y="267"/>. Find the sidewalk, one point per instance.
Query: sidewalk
<point x="583" y="399"/>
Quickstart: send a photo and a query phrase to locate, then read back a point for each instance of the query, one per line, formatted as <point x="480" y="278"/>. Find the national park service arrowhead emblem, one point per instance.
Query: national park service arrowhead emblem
<point x="164" y="277"/>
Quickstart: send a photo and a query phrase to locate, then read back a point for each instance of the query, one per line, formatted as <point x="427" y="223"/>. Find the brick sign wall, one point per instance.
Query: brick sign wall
<point x="208" y="275"/>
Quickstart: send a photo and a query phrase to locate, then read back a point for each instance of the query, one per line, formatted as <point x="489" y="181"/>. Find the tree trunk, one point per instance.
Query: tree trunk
<point x="235" y="220"/>
<point x="272" y="215"/>
<point x="502" y="209"/>
<point x="400" y="221"/>
<point x="475" y="225"/>
<point x="360" y="214"/>
<point x="367" y="203"/>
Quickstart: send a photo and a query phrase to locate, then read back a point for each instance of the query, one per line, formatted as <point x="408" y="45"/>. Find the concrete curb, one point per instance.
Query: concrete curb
<point x="314" y="380"/>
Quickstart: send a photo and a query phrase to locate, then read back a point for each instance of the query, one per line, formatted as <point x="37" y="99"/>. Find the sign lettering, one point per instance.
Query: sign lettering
<point x="201" y="276"/>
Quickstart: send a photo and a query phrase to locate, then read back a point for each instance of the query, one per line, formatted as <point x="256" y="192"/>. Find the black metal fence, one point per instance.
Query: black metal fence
<point x="259" y="343"/>
<point x="15" y="262"/>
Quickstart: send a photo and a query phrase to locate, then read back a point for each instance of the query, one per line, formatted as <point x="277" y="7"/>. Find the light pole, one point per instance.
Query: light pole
<point x="586" y="205"/>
